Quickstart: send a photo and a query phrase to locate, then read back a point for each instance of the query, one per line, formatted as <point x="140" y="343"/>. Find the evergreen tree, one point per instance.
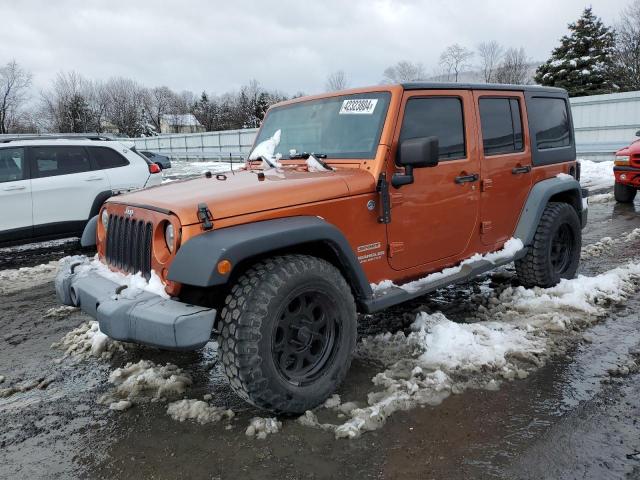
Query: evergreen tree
<point x="583" y="63"/>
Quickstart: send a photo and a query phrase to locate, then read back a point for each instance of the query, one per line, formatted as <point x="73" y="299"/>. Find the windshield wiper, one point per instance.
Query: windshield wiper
<point x="305" y="155"/>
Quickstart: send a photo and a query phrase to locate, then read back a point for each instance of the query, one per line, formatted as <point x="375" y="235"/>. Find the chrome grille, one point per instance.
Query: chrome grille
<point x="129" y="245"/>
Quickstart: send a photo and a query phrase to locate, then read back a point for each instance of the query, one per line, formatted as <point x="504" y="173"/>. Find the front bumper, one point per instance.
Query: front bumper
<point x="139" y="316"/>
<point x="627" y="175"/>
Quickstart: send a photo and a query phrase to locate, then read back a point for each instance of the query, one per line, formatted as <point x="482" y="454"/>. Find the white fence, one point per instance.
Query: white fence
<point x="225" y="145"/>
<point x="603" y="124"/>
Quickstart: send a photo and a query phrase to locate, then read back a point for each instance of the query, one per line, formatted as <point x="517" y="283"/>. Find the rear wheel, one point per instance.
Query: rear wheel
<point x="288" y="333"/>
<point x="624" y="193"/>
<point x="555" y="252"/>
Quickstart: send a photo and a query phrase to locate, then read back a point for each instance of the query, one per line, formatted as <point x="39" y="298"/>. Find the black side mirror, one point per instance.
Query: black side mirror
<point x="415" y="153"/>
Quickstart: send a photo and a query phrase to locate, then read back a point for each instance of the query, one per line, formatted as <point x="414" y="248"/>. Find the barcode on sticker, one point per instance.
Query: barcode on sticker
<point x="359" y="106"/>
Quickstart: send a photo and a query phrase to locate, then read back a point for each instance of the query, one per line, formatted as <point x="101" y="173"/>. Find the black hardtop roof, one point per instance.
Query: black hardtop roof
<point x="479" y="86"/>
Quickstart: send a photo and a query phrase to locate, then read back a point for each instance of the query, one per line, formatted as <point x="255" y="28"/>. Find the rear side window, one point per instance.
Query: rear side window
<point x="12" y="166"/>
<point x="54" y="161"/>
<point x="436" y="117"/>
<point x="501" y="125"/>
<point x="108" y="158"/>
<point x="549" y="119"/>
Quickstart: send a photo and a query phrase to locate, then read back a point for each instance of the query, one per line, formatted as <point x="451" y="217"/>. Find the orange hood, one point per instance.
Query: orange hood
<point x="244" y="192"/>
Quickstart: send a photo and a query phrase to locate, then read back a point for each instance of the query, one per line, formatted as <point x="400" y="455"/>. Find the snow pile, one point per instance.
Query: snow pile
<point x="601" y="198"/>
<point x="511" y="247"/>
<point x="88" y="341"/>
<point x="260" y="427"/>
<point x="60" y="312"/>
<point x="596" y="175"/>
<point x="134" y="283"/>
<point x="197" y="410"/>
<point x="607" y="244"/>
<point x="184" y="169"/>
<point x="514" y="335"/>
<point x="146" y="381"/>
<point x="14" y="280"/>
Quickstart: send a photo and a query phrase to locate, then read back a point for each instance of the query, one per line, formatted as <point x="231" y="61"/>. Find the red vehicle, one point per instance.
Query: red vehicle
<point x="627" y="171"/>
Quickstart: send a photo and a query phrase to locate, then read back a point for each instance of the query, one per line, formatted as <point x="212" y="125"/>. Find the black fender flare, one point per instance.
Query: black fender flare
<point x="539" y="196"/>
<point x="196" y="261"/>
<point x="99" y="201"/>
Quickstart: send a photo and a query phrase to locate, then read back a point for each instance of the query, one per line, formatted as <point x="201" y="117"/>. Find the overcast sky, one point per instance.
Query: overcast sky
<point x="290" y="45"/>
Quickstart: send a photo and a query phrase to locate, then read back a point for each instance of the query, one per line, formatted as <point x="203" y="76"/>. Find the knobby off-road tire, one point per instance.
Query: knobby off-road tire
<point x="624" y="193"/>
<point x="288" y="333"/>
<point x="555" y="252"/>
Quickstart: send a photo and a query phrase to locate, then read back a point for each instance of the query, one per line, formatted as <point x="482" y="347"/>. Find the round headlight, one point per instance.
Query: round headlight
<point x="105" y="218"/>
<point x="169" y="236"/>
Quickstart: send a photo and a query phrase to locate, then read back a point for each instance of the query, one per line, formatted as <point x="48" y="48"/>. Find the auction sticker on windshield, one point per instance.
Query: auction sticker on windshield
<point x="358" y="106"/>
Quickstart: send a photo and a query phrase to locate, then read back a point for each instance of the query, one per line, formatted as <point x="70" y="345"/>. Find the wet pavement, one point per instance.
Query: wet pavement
<point x="571" y="418"/>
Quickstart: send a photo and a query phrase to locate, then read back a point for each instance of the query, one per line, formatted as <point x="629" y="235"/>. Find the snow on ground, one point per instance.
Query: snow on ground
<point x="13" y="280"/>
<point x="512" y="333"/>
<point x="60" y="312"/>
<point x="38" y="245"/>
<point x="197" y="410"/>
<point x="261" y="427"/>
<point x="601" y="198"/>
<point x="145" y="381"/>
<point x="88" y="341"/>
<point x="606" y="244"/>
<point x="596" y="175"/>
<point x="511" y="247"/>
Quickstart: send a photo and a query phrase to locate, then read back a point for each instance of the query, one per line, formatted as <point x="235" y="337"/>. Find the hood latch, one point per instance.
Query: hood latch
<point x="205" y="217"/>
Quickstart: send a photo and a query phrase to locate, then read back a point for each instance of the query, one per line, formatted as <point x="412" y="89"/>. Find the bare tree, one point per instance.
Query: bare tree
<point x="336" y="81"/>
<point x="14" y="85"/>
<point x="490" y="54"/>
<point x="455" y="59"/>
<point x="514" y="68"/>
<point x="158" y="102"/>
<point x="74" y="104"/>
<point x="627" y="55"/>
<point x="404" y="71"/>
<point x="126" y="107"/>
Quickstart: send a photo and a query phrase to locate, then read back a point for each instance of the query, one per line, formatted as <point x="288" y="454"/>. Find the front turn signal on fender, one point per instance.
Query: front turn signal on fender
<point x="224" y="267"/>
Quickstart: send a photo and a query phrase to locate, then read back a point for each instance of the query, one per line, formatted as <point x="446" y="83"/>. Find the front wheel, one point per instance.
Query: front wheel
<point x="288" y="333"/>
<point x="624" y="193"/>
<point x="555" y="252"/>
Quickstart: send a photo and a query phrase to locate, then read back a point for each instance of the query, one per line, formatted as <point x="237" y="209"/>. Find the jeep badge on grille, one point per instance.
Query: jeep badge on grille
<point x="128" y="212"/>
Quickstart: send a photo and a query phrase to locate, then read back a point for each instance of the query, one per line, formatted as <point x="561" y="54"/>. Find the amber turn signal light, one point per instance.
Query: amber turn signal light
<point x="224" y="267"/>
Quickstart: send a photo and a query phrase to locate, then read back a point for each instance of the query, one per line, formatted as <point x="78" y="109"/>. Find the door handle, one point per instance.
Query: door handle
<point x="474" y="177"/>
<point x="15" y="187"/>
<point x="93" y="179"/>
<point x="520" y="170"/>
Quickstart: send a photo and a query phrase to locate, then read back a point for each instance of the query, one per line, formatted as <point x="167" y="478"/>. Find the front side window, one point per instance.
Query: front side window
<point x="501" y="125"/>
<point x="54" y="161"/>
<point x="440" y="117"/>
<point x="12" y="164"/>
<point x="108" y="158"/>
<point x="348" y="126"/>
<point x="549" y="119"/>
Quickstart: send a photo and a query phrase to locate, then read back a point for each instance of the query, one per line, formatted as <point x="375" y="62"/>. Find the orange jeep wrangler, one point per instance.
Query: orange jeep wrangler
<point x="350" y="202"/>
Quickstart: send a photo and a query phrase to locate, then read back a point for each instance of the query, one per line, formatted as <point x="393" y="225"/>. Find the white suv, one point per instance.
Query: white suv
<point x="51" y="187"/>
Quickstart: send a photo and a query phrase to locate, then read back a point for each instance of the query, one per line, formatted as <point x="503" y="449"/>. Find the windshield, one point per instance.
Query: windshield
<point x="348" y="126"/>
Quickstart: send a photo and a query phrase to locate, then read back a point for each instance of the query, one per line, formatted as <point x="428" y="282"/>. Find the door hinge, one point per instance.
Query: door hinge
<point x="486" y="185"/>
<point x="395" y="247"/>
<point x="385" y="200"/>
<point x="486" y="227"/>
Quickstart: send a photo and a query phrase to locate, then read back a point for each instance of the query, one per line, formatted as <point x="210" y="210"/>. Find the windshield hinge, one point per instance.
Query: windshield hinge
<point x="205" y="217"/>
<point x="385" y="201"/>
